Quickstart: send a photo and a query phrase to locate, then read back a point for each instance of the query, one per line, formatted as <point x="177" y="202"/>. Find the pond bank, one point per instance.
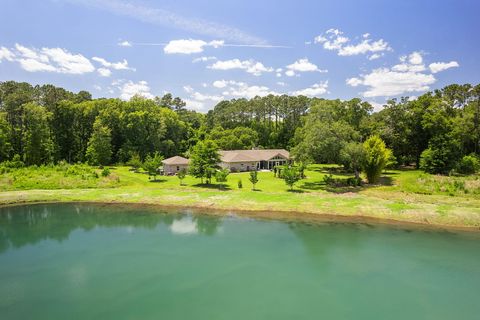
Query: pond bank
<point x="288" y="216"/>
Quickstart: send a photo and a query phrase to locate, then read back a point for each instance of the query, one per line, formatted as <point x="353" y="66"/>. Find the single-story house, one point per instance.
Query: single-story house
<point x="248" y="160"/>
<point x="174" y="164"/>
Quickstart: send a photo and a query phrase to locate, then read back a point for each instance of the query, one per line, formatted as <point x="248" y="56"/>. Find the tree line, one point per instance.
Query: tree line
<point x="438" y="131"/>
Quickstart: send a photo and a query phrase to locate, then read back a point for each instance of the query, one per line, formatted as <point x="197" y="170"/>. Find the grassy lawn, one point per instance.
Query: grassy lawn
<point x="407" y="195"/>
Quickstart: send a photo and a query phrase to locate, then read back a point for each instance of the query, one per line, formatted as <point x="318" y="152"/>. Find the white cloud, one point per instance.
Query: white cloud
<point x="333" y="39"/>
<point x="204" y="59"/>
<point x="200" y="101"/>
<point x="220" y="83"/>
<point x="243" y="90"/>
<point x="377" y="106"/>
<point x="196" y="105"/>
<point x="363" y="47"/>
<point x="281" y="83"/>
<point x="441" y="66"/>
<point x="302" y="65"/>
<point x="67" y="62"/>
<point x="51" y="60"/>
<point x="58" y="60"/>
<point x="354" y="82"/>
<point x="6" y="54"/>
<point x="251" y="66"/>
<point x="130" y="89"/>
<point x="205" y="97"/>
<point x="415" y="58"/>
<point x="32" y="65"/>
<point x="104" y="72"/>
<point x="375" y="56"/>
<point x="290" y="73"/>
<point x="189" y="46"/>
<point x="125" y="43"/>
<point x="406" y="77"/>
<point x="123" y="65"/>
<point x="384" y="82"/>
<point x="314" y="91"/>
<point x="411" y="63"/>
<point x="188" y="89"/>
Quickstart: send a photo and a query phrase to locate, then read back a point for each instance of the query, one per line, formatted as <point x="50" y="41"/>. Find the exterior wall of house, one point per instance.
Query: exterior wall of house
<point x="169" y="169"/>
<point x="239" y="166"/>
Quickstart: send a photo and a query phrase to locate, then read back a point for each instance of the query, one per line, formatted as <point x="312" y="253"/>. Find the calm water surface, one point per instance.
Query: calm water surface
<point x="97" y="262"/>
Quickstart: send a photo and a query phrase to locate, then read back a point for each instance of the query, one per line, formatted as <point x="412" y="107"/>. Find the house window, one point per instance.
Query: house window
<point x="178" y="168"/>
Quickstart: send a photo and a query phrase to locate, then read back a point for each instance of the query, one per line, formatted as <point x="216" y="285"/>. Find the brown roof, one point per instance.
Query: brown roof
<point x="252" y="155"/>
<point x="177" y="160"/>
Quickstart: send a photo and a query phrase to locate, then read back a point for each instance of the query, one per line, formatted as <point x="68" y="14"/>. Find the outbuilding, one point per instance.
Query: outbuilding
<point x="174" y="164"/>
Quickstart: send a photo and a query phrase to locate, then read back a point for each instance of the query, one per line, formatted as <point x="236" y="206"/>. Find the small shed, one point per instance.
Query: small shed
<point x="174" y="164"/>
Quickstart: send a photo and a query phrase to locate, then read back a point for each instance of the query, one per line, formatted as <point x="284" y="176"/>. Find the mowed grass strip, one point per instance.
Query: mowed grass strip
<point x="404" y="195"/>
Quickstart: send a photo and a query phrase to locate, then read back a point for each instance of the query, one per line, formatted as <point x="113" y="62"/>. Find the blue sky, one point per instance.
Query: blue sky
<point x="205" y="51"/>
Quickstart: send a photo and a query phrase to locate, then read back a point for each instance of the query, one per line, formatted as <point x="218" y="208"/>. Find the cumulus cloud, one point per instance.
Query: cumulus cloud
<point x="50" y="60"/>
<point x="411" y="63"/>
<point x="222" y="83"/>
<point x="302" y="65"/>
<point x="441" y="66"/>
<point x="189" y="46"/>
<point x="333" y="39"/>
<point x="406" y="77"/>
<point x="239" y="89"/>
<point x="200" y="101"/>
<point x="316" y="90"/>
<point x="251" y="66"/>
<point x="58" y="60"/>
<point x="129" y="89"/>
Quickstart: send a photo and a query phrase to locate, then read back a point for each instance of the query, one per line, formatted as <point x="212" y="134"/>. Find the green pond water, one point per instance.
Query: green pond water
<point x="103" y="262"/>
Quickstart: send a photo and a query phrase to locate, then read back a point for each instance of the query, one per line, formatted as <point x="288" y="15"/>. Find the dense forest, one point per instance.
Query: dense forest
<point x="438" y="131"/>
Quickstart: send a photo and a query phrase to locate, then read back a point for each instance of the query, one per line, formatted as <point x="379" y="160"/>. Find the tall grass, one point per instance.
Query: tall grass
<point x="61" y="176"/>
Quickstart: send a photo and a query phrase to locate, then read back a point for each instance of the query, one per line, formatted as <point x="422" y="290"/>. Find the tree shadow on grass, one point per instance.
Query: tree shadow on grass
<point x="338" y="171"/>
<point x="342" y="186"/>
<point x="296" y="191"/>
<point x="216" y="186"/>
<point x="157" y="180"/>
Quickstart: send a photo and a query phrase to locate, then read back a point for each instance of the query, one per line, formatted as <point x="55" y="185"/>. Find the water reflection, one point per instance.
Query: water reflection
<point x="23" y="225"/>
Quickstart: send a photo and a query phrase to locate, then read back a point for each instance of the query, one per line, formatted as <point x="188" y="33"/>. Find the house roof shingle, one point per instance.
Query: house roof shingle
<point x="252" y="155"/>
<point x="177" y="160"/>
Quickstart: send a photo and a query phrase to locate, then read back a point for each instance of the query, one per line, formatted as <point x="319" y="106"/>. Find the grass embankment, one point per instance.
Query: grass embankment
<point x="406" y="195"/>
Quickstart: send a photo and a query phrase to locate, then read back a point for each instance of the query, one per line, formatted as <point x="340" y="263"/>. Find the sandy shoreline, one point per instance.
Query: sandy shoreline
<point x="288" y="216"/>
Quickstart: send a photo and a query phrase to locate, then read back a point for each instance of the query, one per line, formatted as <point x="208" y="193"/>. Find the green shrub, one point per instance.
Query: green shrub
<point x="221" y="175"/>
<point x="105" y="172"/>
<point x="441" y="155"/>
<point x="15" y="163"/>
<point x="239" y="184"/>
<point x="376" y="158"/>
<point x="181" y="175"/>
<point x="328" y="179"/>
<point x="468" y="165"/>
<point x="291" y="176"/>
